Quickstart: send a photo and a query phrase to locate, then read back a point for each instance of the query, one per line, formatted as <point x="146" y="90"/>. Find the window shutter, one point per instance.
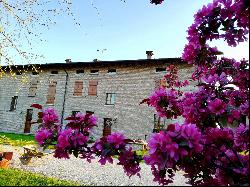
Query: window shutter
<point x="93" y="87"/>
<point x="78" y="88"/>
<point x="51" y="92"/>
<point x="93" y="82"/>
<point x="92" y="90"/>
<point x="33" y="87"/>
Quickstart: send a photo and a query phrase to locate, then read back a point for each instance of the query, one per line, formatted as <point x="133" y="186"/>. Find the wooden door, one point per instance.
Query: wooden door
<point x="28" y="120"/>
<point x="107" y="127"/>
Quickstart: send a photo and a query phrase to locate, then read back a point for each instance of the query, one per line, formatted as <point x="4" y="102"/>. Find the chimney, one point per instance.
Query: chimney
<point x="68" y="61"/>
<point x="149" y="54"/>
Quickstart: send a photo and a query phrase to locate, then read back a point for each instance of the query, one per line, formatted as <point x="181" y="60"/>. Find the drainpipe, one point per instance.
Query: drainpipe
<point x="64" y="97"/>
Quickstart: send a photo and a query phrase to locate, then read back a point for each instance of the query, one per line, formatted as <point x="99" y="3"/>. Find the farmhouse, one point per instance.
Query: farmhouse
<point x="112" y="90"/>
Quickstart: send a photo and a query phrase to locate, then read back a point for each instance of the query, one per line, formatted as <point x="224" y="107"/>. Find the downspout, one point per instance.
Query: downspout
<point x="64" y="97"/>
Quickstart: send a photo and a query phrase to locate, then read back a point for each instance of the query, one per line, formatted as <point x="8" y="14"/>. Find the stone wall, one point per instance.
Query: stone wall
<point x="131" y="83"/>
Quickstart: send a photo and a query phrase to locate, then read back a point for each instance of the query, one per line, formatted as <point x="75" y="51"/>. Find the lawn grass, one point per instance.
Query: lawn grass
<point x="17" y="177"/>
<point x="17" y="139"/>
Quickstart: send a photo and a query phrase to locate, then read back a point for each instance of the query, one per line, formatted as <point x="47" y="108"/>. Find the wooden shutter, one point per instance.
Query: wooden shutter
<point x="93" y="87"/>
<point x="33" y="87"/>
<point x="78" y="88"/>
<point x="107" y="127"/>
<point x="51" y="92"/>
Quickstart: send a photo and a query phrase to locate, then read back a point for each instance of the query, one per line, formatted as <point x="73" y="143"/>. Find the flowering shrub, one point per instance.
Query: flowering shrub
<point x="212" y="145"/>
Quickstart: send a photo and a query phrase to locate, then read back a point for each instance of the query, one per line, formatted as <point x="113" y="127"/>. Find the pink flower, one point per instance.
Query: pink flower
<point x="235" y="114"/>
<point x="50" y="116"/>
<point x="128" y="160"/>
<point x="116" y="139"/>
<point x="61" y="153"/>
<point x="63" y="139"/>
<point x="78" y="139"/>
<point x="217" y="106"/>
<point x="42" y="135"/>
<point x="241" y="137"/>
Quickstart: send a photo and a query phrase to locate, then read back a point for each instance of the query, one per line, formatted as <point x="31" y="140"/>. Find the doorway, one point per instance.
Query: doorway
<point x="107" y="127"/>
<point x="28" y="120"/>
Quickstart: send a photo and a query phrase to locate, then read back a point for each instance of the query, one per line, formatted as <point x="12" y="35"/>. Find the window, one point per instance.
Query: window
<point x="110" y="98"/>
<point x="33" y="88"/>
<point x="78" y="88"/>
<point x="94" y="71"/>
<point x="51" y="92"/>
<point x="74" y="113"/>
<point x="93" y="87"/>
<point x="35" y="73"/>
<point x="159" y="123"/>
<point x="79" y="71"/>
<point x="89" y="112"/>
<point x="160" y="70"/>
<point x="13" y="103"/>
<point x="112" y="71"/>
<point x="54" y="72"/>
<point x="160" y="83"/>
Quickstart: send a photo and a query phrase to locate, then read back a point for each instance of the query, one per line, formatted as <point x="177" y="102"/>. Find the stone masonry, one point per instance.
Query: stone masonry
<point x="133" y="81"/>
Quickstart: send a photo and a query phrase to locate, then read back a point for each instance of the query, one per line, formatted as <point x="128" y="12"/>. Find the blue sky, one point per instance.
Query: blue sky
<point x="125" y="30"/>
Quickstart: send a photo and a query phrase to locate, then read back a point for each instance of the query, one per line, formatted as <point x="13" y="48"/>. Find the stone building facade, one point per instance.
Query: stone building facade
<point x="112" y="90"/>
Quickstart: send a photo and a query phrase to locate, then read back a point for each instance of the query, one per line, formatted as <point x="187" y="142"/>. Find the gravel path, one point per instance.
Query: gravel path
<point x="87" y="173"/>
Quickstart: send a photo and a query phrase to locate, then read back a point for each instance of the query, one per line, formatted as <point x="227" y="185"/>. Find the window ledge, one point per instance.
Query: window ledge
<point x="77" y="96"/>
<point x="50" y="104"/>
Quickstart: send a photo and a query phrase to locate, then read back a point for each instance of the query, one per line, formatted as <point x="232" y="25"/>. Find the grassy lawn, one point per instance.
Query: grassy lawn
<point x="17" y="139"/>
<point x="16" y="177"/>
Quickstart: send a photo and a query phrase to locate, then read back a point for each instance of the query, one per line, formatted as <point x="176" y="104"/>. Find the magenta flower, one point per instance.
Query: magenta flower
<point x="192" y="136"/>
<point x="50" y="116"/>
<point x="116" y="139"/>
<point x="42" y="135"/>
<point x="61" y="153"/>
<point x="217" y="106"/>
<point x="241" y="137"/>
<point x="78" y="139"/>
<point x="128" y="160"/>
<point x="63" y="139"/>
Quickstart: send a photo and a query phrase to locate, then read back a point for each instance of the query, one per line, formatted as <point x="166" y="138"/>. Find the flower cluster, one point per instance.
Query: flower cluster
<point x="165" y="103"/>
<point x="106" y="147"/>
<point x="241" y="138"/>
<point x="50" y="117"/>
<point x="170" y="147"/>
<point x="48" y="132"/>
<point x="75" y="137"/>
<point x="115" y="144"/>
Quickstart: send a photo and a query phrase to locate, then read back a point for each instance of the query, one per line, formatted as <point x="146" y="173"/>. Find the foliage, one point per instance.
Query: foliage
<point x="16" y="139"/>
<point x="17" y="177"/>
<point x="208" y="146"/>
